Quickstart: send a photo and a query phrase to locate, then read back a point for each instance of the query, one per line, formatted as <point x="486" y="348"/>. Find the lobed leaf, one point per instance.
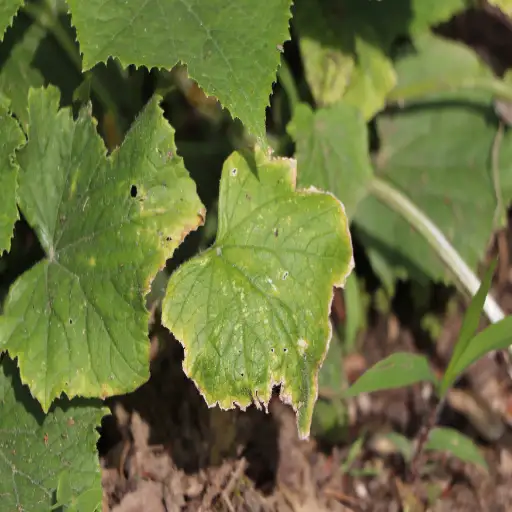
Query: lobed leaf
<point x="11" y="139"/>
<point x="467" y="330"/>
<point x="35" y="448"/>
<point x="450" y="440"/>
<point x="231" y="47"/>
<point x="252" y="311"/>
<point x="76" y="320"/>
<point x="8" y="9"/>
<point x="332" y="151"/>
<point x="395" y="371"/>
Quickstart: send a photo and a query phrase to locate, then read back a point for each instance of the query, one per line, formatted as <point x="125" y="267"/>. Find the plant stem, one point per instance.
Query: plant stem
<point x="493" y="86"/>
<point x="464" y="276"/>
<point x="423" y="438"/>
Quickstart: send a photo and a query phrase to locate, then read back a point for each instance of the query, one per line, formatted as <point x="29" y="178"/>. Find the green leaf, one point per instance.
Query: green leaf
<point x="356" y="312"/>
<point x="30" y="56"/>
<point x="344" y="53"/>
<point x="231" y="47"/>
<point x="11" y="138"/>
<point x="427" y="152"/>
<point x="450" y="440"/>
<point x="402" y="444"/>
<point x="8" y="9"/>
<point x="252" y="311"/>
<point x="332" y="151"/>
<point x="76" y="320"/>
<point x="35" y="449"/>
<point x="438" y="68"/>
<point x="395" y="371"/>
<point x="468" y="329"/>
<point x="497" y="336"/>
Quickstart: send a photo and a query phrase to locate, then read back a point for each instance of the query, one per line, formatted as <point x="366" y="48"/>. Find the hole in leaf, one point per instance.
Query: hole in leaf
<point x="70" y="321"/>
<point x="169" y="239"/>
<point x="133" y="191"/>
<point x="285" y="350"/>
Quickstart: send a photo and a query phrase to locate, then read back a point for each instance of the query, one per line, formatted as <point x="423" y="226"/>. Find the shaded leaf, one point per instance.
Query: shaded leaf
<point x="76" y="320"/>
<point x="437" y="68"/>
<point x="8" y="9"/>
<point x="344" y="53"/>
<point x="402" y="444"/>
<point x="231" y="47"/>
<point x="356" y="309"/>
<point x="395" y="371"/>
<point x="252" y="311"/>
<point x="468" y="329"/>
<point x="450" y="440"/>
<point x="30" y="56"/>
<point x="35" y="449"/>
<point x="332" y="151"/>
<point x="11" y="138"/>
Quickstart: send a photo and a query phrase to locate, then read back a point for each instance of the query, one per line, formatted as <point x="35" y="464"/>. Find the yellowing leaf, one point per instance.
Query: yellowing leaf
<point x="252" y="311"/>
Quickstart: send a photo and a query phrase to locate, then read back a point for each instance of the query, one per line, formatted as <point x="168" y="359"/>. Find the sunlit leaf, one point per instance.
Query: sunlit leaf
<point x="252" y="311"/>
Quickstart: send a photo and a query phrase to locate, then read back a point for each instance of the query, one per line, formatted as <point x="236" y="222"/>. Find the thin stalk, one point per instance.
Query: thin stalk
<point x="496" y="87"/>
<point x="464" y="276"/>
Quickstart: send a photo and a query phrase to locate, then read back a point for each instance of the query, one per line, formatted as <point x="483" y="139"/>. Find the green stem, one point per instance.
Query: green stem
<point x="465" y="277"/>
<point x="494" y="86"/>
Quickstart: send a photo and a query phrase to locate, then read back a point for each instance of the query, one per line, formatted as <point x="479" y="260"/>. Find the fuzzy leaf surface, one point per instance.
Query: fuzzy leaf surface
<point x="231" y="47"/>
<point x="76" y="320"/>
<point x="11" y="138"/>
<point x="332" y="151"/>
<point x="252" y="311"/>
<point x="36" y="448"/>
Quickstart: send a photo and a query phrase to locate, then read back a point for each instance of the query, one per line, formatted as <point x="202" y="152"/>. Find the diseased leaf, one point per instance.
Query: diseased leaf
<point x="332" y="151"/>
<point x="8" y="9"/>
<point x="468" y="329"/>
<point x="450" y="440"/>
<point x="252" y="311"/>
<point x="395" y="371"/>
<point x="11" y="138"/>
<point x="35" y="449"/>
<point x="231" y="47"/>
<point x="76" y="320"/>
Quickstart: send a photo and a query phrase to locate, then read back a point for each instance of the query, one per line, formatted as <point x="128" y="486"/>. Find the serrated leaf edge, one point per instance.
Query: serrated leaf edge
<point x="284" y="396"/>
